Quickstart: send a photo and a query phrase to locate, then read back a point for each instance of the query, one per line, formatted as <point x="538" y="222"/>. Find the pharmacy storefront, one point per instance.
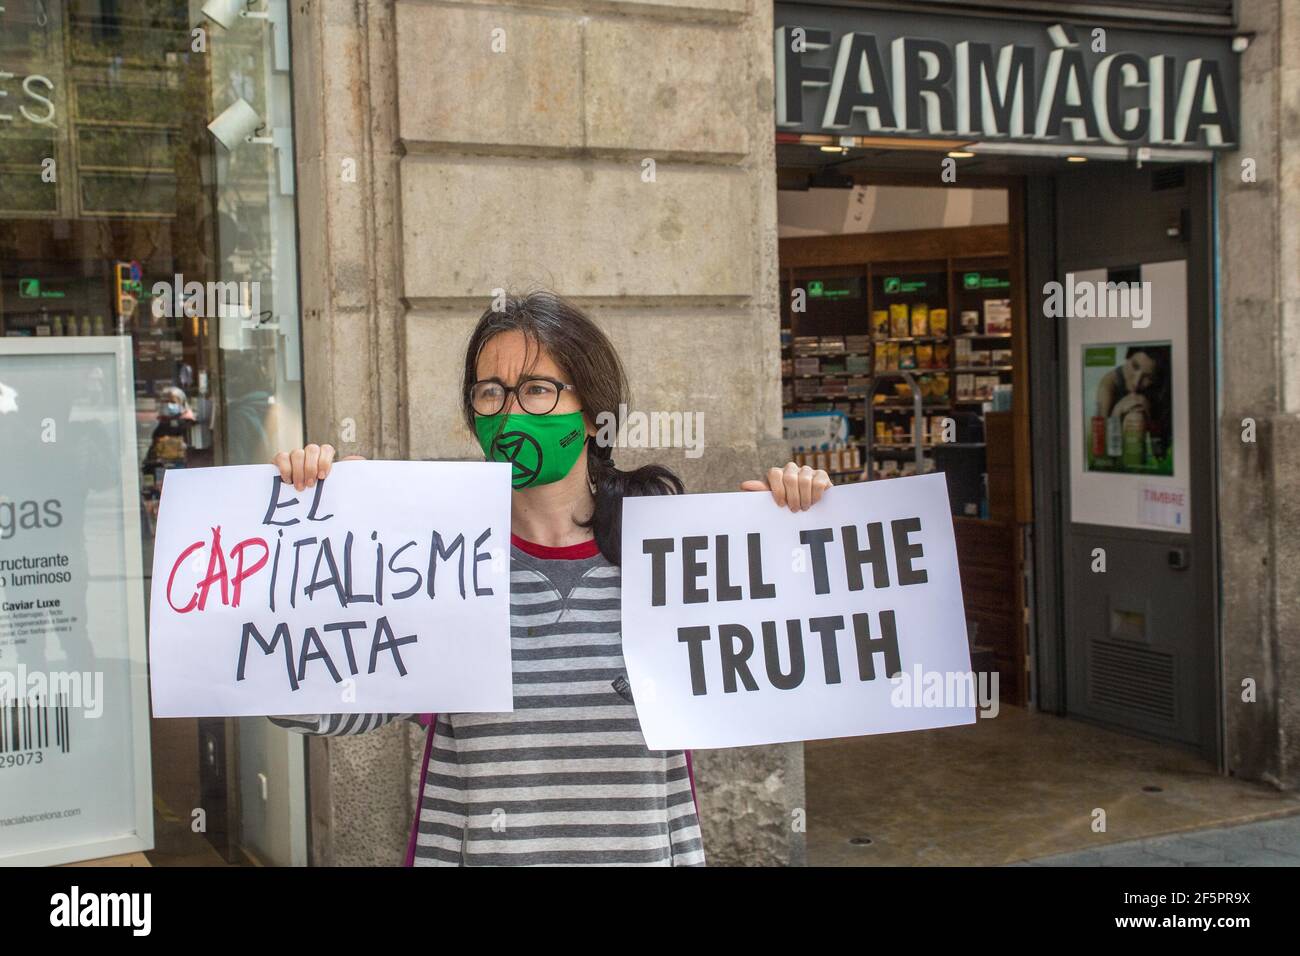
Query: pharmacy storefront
<point x="998" y="262"/>
<point x="148" y="322"/>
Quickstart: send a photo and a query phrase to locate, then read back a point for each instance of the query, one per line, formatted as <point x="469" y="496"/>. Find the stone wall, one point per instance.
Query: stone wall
<point x="619" y="152"/>
<point x="1259" y="481"/>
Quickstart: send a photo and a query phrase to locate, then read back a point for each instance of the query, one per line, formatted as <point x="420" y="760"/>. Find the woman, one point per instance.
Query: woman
<point x="167" y="446"/>
<point x="566" y="777"/>
<point x="1135" y="398"/>
<point x="1125" y="388"/>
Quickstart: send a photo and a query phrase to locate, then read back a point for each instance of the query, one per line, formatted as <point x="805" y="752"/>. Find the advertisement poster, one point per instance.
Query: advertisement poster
<point x="746" y="624"/>
<point x="1128" y="391"/>
<point x="74" y="737"/>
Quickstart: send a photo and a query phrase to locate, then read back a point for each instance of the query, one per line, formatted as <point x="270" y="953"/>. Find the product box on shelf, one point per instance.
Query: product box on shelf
<point x="997" y="316"/>
<point x="899" y="326"/>
<point x="920" y="319"/>
<point x="880" y="323"/>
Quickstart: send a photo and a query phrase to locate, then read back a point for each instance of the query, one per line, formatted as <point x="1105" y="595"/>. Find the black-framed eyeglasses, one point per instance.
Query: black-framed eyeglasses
<point x="537" y="395"/>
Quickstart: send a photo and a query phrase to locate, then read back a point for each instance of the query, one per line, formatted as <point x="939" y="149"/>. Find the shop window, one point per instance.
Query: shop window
<point x="113" y="190"/>
<point x="147" y="197"/>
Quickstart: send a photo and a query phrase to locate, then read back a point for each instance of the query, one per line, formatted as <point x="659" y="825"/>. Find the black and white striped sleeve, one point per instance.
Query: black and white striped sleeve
<point x="336" y="725"/>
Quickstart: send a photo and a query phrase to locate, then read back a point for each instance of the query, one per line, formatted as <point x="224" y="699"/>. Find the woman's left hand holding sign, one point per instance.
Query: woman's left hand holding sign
<point x="795" y="487"/>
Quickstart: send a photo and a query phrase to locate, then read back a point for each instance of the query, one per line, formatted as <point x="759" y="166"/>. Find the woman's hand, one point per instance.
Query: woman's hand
<point x="303" y="467"/>
<point x="794" y="487"/>
<point x="1132" y="402"/>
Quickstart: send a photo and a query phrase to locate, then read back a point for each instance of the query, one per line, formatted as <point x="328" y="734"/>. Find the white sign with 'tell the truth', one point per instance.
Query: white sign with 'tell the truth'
<point x="744" y="623"/>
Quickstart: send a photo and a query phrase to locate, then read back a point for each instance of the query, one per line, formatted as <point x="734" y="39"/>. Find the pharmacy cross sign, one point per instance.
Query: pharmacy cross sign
<point x="854" y="72"/>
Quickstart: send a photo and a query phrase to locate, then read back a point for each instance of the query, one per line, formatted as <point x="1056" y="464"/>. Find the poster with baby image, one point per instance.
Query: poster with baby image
<point x="1128" y="408"/>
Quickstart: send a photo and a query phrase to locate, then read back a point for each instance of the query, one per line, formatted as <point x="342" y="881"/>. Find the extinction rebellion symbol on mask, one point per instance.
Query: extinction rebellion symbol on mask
<point x="524" y="453"/>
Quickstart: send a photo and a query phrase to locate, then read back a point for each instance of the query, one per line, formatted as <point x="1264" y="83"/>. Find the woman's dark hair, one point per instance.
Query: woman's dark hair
<point x="1159" y="392"/>
<point x="591" y="365"/>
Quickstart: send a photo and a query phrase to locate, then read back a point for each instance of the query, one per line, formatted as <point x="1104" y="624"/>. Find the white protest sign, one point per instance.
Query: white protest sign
<point x="386" y="588"/>
<point x="744" y="623"/>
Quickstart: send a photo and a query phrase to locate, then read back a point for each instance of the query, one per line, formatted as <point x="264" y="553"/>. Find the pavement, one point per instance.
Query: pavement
<point x="1265" y="843"/>
<point x="1031" y="786"/>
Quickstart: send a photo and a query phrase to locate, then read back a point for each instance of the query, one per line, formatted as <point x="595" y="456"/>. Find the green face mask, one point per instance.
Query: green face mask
<point x="542" y="448"/>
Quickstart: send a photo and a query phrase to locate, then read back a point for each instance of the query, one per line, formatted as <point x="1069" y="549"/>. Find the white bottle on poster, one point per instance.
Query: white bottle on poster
<point x="1114" y="437"/>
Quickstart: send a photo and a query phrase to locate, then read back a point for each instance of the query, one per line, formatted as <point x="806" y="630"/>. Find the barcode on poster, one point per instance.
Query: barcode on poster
<point x="32" y="724"/>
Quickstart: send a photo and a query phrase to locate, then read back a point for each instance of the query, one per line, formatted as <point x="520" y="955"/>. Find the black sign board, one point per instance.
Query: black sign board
<point x="853" y="71"/>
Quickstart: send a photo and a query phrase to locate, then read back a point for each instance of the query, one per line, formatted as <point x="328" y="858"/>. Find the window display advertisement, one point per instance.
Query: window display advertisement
<point x="1130" y="429"/>
<point x="1128" y="398"/>
<point x="74" y="741"/>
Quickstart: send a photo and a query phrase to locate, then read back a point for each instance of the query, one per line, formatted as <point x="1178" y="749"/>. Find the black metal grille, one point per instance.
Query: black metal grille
<point x="1132" y="678"/>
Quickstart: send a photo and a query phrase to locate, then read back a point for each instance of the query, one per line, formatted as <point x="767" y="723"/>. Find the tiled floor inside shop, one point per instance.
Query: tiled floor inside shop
<point x="1021" y="786"/>
<point x="174" y="743"/>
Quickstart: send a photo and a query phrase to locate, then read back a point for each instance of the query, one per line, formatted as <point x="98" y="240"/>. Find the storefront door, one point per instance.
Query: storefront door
<point x="1131" y="306"/>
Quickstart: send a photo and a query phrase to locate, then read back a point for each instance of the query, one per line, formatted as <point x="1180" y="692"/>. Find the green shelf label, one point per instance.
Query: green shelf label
<point x="897" y="284"/>
<point x="29" y="288"/>
<point x="975" y="280"/>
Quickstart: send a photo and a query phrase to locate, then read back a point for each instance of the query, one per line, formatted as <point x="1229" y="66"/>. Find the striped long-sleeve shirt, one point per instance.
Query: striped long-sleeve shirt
<point x="566" y="778"/>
